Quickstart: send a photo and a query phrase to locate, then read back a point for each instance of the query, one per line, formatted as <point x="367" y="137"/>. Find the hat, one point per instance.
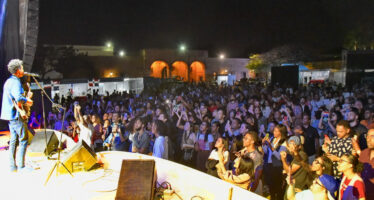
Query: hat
<point x="295" y="139"/>
<point x="330" y="184"/>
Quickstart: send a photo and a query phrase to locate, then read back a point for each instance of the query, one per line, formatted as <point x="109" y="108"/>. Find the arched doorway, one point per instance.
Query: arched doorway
<point x="180" y="70"/>
<point x="197" y="73"/>
<point x="159" y="69"/>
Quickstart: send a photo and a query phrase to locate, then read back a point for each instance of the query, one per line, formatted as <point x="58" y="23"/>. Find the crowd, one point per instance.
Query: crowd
<point x="314" y="142"/>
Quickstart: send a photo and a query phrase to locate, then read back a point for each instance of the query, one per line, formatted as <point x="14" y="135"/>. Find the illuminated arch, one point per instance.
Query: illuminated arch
<point x="197" y="73"/>
<point x="180" y="69"/>
<point x="159" y="69"/>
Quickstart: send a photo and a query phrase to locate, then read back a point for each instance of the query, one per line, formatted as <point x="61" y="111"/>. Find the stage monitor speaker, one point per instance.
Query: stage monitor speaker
<point x="80" y="158"/>
<point x="136" y="180"/>
<point x="38" y="145"/>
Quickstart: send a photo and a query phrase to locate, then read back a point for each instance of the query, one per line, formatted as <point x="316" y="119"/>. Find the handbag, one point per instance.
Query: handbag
<point x="187" y="154"/>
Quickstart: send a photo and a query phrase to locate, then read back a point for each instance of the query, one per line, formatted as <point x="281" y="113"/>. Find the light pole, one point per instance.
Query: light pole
<point x="183" y="49"/>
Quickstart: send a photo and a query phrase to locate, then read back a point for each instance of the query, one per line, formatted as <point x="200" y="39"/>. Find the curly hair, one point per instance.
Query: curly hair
<point x="14" y="65"/>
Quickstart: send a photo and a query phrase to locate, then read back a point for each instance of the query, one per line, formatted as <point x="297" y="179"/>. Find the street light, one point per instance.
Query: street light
<point x="222" y="56"/>
<point x="121" y="53"/>
<point x="108" y="44"/>
<point x="182" y="47"/>
<point x="111" y="74"/>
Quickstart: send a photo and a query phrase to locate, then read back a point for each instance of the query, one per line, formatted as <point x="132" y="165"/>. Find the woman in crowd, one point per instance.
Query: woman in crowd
<point x="243" y="171"/>
<point x="187" y="144"/>
<point x="273" y="170"/>
<point x="351" y="185"/>
<point x="97" y="132"/>
<point x="321" y="165"/>
<point x="203" y="146"/>
<point x="261" y="120"/>
<point x="107" y="129"/>
<point x="221" y="147"/>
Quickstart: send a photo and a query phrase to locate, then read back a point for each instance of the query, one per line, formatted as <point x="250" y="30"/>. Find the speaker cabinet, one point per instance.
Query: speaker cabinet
<point x="80" y="158"/>
<point x="39" y="146"/>
<point x="285" y="76"/>
<point x="137" y="180"/>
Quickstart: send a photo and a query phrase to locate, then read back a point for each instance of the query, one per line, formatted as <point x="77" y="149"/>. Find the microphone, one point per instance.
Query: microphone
<point x="31" y="74"/>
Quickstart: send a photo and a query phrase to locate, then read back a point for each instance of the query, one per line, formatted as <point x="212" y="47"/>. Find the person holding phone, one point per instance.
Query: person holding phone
<point x="85" y="133"/>
<point x="273" y="169"/>
<point x="299" y="165"/>
<point x="114" y="141"/>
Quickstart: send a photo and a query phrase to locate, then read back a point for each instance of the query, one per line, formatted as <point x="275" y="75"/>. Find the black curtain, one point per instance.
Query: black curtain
<point x="18" y="34"/>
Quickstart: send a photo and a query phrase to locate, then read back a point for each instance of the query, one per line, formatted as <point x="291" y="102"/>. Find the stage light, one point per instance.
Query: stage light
<point x="111" y="73"/>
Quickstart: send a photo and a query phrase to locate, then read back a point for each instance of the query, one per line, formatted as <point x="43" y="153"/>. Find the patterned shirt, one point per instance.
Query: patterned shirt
<point x="340" y="147"/>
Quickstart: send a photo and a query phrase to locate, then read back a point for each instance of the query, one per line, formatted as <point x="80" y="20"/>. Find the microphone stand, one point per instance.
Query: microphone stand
<point x="58" y="161"/>
<point x="42" y="92"/>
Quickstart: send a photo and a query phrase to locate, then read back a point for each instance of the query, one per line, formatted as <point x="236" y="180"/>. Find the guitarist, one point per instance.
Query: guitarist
<point x="13" y="95"/>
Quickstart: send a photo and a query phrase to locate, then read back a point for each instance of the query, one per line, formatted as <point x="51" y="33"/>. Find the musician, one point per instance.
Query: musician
<point x="13" y="95"/>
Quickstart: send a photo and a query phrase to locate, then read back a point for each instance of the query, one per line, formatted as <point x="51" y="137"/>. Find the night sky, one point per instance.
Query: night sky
<point x="236" y="28"/>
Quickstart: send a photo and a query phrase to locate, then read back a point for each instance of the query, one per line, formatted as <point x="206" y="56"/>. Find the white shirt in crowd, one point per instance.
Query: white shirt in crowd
<point x="85" y="134"/>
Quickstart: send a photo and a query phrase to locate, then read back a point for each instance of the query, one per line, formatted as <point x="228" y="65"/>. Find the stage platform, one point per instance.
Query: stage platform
<point x="4" y="139"/>
<point x="102" y="182"/>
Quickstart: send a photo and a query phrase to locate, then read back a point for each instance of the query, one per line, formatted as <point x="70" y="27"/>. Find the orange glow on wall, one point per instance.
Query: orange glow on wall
<point x="197" y="71"/>
<point x="159" y="69"/>
<point x="109" y="73"/>
<point x="180" y="69"/>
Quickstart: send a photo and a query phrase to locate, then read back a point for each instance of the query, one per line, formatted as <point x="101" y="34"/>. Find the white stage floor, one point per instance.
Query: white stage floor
<point x="102" y="183"/>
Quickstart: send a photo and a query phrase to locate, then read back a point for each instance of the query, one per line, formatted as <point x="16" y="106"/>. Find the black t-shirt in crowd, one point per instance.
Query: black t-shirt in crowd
<point x="310" y="135"/>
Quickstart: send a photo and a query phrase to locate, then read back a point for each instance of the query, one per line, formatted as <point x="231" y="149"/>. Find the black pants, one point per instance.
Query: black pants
<point x="273" y="177"/>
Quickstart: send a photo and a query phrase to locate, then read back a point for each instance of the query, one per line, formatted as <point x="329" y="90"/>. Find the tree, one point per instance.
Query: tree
<point x="278" y="56"/>
<point x="63" y="59"/>
<point x="255" y="63"/>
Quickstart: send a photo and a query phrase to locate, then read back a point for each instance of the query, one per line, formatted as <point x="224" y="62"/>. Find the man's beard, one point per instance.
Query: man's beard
<point x="138" y="129"/>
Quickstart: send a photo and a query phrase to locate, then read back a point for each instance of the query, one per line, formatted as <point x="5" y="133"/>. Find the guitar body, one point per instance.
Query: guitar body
<point x="23" y="109"/>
